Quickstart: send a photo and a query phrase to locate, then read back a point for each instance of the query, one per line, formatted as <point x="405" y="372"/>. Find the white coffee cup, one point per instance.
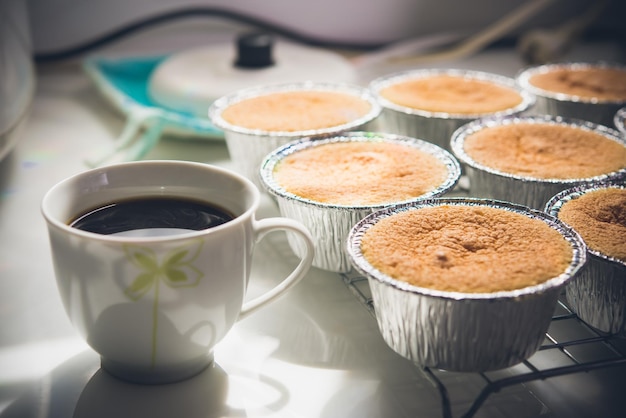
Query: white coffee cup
<point x="147" y="324"/>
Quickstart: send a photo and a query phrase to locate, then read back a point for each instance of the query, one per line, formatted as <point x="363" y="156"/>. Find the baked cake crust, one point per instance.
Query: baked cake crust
<point x="599" y="216"/>
<point x="452" y="94"/>
<point x="360" y="173"/>
<point x="599" y="83"/>
<point x="468" y="249"/>
<point x="296" y="111"/>
<point x="545" y="151"/>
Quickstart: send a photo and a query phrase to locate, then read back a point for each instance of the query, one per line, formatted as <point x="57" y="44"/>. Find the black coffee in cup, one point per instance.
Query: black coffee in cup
<point x="151" y="216"/>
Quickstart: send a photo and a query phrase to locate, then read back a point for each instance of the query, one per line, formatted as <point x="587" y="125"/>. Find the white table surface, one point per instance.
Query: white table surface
<point x="314" y="353"/>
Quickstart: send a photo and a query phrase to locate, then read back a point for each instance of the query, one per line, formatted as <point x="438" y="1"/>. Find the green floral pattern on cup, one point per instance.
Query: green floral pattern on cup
<point x="175" y="270"/>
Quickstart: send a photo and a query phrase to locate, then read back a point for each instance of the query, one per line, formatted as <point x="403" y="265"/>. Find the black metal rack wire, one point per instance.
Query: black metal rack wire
<point x="570" y="346"/>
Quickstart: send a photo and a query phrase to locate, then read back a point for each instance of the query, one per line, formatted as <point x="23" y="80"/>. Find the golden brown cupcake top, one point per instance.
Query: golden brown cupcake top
<point x="599" y="217"/>
<point x="598" y="83"/>
<point x="296" y="111"/>
<point x="545" y="151"/>
<point x="468" y="249"/>
<point x="452" y="94"/>
<point x="360" y="173"/>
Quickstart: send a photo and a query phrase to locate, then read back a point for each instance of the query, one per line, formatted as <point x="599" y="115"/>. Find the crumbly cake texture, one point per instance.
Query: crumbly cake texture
<point x="452" y="94"/>
<point x="545" y="151"/>
<point x="360" y="173"/>
<point x="599" y="217"/>
<point x="468" y="249"/>
<point x="599" y="83"/>
<point x="296" y="111"/>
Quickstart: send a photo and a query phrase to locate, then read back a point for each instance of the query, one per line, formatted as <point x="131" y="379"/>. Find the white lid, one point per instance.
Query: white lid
<point x="190" y="81"/>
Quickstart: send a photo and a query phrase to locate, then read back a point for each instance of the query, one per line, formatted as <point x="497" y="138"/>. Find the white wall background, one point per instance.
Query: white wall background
<point x="58" y="24"/>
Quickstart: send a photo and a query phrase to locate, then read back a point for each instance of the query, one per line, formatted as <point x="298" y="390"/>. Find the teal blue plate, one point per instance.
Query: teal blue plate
<point x="124" y="83"/>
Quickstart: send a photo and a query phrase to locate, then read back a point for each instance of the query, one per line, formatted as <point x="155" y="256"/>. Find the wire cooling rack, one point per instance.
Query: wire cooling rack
<point x="570" y="346"/>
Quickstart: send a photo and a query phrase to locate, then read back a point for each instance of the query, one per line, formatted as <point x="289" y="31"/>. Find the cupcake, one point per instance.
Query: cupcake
<point x="527" y="160"/>
<point x="257" y="120"/>
<point x="329" y="184"/>
<point x="464" y="285"/>
<point x="587" y="91"/>
<point x="598" y="213"/>
<point x="432" y="103"/>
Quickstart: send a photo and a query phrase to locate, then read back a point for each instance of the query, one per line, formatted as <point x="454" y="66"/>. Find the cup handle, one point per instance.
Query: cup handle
<point x="262" y="227"/>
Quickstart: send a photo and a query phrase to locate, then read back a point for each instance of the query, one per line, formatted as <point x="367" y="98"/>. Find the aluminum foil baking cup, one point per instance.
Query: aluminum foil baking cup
<point x="330" y="224"/>
<point x="487" y="182"/>
<point x="620" y="121"/>
<point x="248" y="147"/>
<point x="598" y="294"/>
<point x="463" y="332"/>
<point x="437" y="127"/>
<point x="567" y="105"/>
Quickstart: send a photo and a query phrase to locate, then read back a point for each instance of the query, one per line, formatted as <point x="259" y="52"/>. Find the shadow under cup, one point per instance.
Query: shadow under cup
<point x="154" y="307"/>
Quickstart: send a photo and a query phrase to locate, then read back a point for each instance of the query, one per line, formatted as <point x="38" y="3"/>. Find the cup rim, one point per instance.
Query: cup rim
<point x="363" y="266"/>
<point x="270" y="161"/>
<point x="523" y="79"/>
<point x="63" y="226"/>
<point x="458" y="137"/>
<point x="218" y="106"/>
<point x="376" y="85"/>
<point x="556" y="202"/>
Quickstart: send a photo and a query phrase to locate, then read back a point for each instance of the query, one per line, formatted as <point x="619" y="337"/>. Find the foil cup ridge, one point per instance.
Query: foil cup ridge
<point x="444" y="329"/>
<point x="330" y="223"/>
<point x="619" y="120"/>
<point x="435" y="335"/>
<point x="598" y="294"/>
<point x="488" y="182"/>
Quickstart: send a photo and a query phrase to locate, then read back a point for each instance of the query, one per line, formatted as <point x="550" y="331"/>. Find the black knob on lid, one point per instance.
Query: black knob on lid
<point x="254" y="50"/>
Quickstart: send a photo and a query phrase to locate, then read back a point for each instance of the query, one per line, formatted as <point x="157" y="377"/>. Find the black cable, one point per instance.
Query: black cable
<point x="133" y="27"/>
